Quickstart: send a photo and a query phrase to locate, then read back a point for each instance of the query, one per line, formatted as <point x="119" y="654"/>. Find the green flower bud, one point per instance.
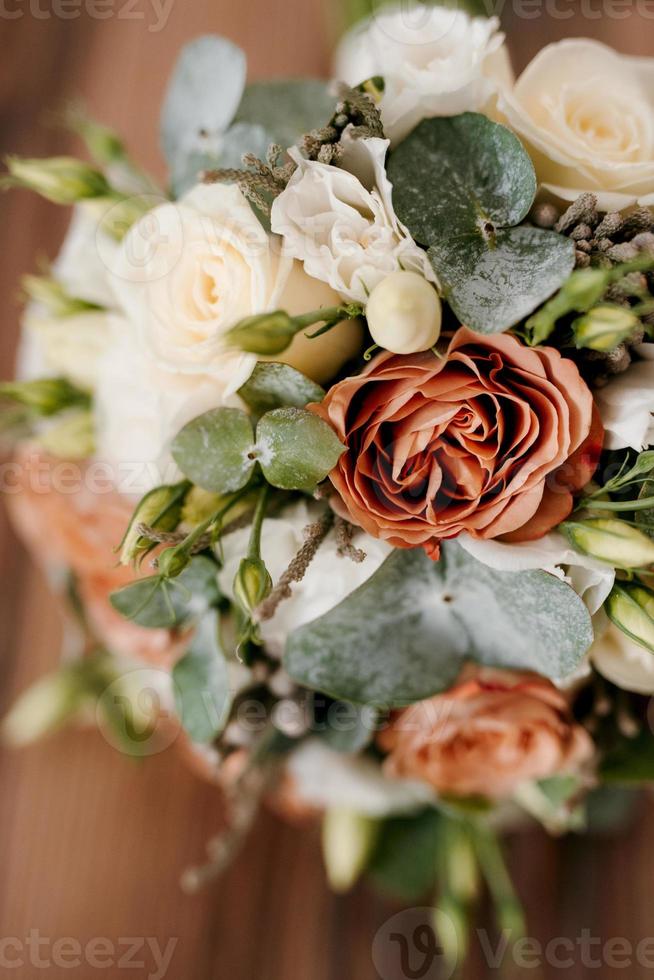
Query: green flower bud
<point x="265" y="334"/>
<point x="172" y="562"/>
<point x="252" y="584"/>
<point x="604" y="327"/>
<point x="348" y="840"/>
<point x="103" y="143"/>
<point x="45" y="396"/>
<point x="612" y="541"/>
<point x="62" y="180"/>
<point x="51" y="294"/>
<point x="631" y="608"/>
<point x="585" y="287"/>
<point x="161" y="509"/>
<point x="71" y="438"/>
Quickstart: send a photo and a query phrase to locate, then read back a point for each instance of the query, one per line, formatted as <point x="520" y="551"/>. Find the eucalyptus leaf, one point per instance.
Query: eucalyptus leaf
<point x="274" y="385"/>
<point x="157" y="603"/>
<point x="296" y="449"/>
<point x="223" y="151"/>
<point x="461" y="185"/>
<point x="404" y="634"/>
<point x="201" y="679"/>
<point x="215" y="450"/>
<point x="348" y="727"/>
<point x="286" y="109"/>
<point x="202" y="98"/>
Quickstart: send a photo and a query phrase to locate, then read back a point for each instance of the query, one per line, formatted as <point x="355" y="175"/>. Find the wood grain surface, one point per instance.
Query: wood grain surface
<point x="92" y="844"/>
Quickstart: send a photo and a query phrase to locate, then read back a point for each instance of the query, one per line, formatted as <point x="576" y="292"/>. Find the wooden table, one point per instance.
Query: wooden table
<point x="91" y="843"/>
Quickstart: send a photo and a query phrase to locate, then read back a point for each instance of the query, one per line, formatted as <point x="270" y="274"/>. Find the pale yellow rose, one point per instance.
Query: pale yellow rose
<point x="188" y="271"/>
<point x="586" y="115"/>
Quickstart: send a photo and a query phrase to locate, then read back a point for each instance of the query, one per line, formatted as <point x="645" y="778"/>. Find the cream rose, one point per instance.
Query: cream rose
<point x="435" y="61"/>
<point x="586" y="115"/>
<point x="189" y="271"/>
<point x="623" y="661"/>
<point x="140" y="407"/>
<point x="340" y="221"/>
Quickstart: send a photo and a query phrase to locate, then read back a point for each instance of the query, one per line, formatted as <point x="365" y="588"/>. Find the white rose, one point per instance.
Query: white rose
<point x="623" y="662"/>
<point x="586" y="115"/>
<point x="626" y="404"/>
<point x="327" y="779"/>
<point x="189" y="271"/>
<point x="329" y="579"/>
<point x="140" y="407"/>
<point x="435" y="61"/>
<point x="592" y="580"/>
<point x="340" y="221"/>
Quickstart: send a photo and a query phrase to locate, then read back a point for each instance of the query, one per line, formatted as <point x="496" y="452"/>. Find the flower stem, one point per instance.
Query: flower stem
<point x="254" y="546"/>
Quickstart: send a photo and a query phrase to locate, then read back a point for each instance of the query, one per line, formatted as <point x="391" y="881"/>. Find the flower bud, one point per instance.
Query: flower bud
<point x="53" y="297"/>
<point x="45" y="396"/>
<point x="71" y="438"/>
<point x="42" y="709"/>
<point x="404" y="313"/>
<point x="612" y="541"/>
<point x="604" y="327"/>
<point x="161" y="508"/>
<point x="172" y="562"/>
<point x="631" y="608"/>
<point x="265" y="334"/>
<point x="585" y="287"/>
<point x="62" y="180"/>
<point x="252" y="584"/>
<point x="348" y="840"/>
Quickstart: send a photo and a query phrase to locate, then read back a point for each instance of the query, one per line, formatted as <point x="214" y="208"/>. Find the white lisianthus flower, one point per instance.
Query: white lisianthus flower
<point x="592" y="580"/>
<point x="81" y="266"/>
<point x="626" y="404"/>
<point x="326" y="779"/>
<point x="330" y="578"/>
<point x="340" y="222"/>
<point x="140" y="407"/>
<point x="623" y="661"/>
<point x="586" y="115"/>
<point x="435" y="61"/>
<point x="72" y="346"/>
<point x="189" y="271"/>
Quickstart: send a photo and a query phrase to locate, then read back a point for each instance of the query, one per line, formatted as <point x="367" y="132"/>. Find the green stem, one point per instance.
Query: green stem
<point x="491" y="860"/>
<point x="254" y="545"/>
<point x="332" y="313"/>
<point x="194" y="536"/>
<point x="616" y="505"/>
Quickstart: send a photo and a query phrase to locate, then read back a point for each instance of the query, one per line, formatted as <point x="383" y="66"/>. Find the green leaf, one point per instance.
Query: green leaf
<point x="348" y="727"/>
<point x="461" y="185"/>
<point x="404" y="862"/>
<point x="158" y="603"/>
<point x="286" y="109"/>
<point x="274" y="385"/>
<point x="404" y="634"/>
<point x="202" y="97"/>
<point x="215" y="450"/>
<point x="296" y="449"/>
<point x="493" y="289"/>
<point x="201" y="678"/>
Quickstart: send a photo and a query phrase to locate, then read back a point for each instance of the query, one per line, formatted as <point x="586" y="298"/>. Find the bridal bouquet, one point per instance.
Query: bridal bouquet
<point x="343" y="443"/>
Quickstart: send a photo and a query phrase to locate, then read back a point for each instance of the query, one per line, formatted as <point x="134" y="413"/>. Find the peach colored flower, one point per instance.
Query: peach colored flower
<point x="66" y="522"/>
<point x="491" y="732"/>
<point x="492" y="439"/>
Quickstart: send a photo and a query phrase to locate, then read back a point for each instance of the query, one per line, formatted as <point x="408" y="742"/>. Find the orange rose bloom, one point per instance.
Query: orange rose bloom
<point x="492" y="439"/>
<point x="493" y="731"/>
<point x="64" y="523"/>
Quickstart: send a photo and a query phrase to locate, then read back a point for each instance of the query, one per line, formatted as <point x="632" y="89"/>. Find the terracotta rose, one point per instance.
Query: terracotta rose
<point x="493" y="439"/>
<point x="493" y="731"/>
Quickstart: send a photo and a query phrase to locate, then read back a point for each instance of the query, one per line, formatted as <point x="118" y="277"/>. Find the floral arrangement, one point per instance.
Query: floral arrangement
<point x="343" y="441"/>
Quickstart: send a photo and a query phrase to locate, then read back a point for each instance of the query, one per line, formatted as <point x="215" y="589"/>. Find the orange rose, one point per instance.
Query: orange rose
<point x="64" y="522"/>
<point x="492" y="439"/>
<point x="494" y="730"/>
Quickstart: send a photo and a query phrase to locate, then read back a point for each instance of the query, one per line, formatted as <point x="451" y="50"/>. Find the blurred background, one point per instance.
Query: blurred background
<point x="92" y="843"/>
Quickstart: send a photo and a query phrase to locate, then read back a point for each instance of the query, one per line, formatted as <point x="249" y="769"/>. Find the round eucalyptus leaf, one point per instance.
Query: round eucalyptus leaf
<point x="296" y="449"/>
<point x="215" y="450"/>
<point x="275" y="385"/>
